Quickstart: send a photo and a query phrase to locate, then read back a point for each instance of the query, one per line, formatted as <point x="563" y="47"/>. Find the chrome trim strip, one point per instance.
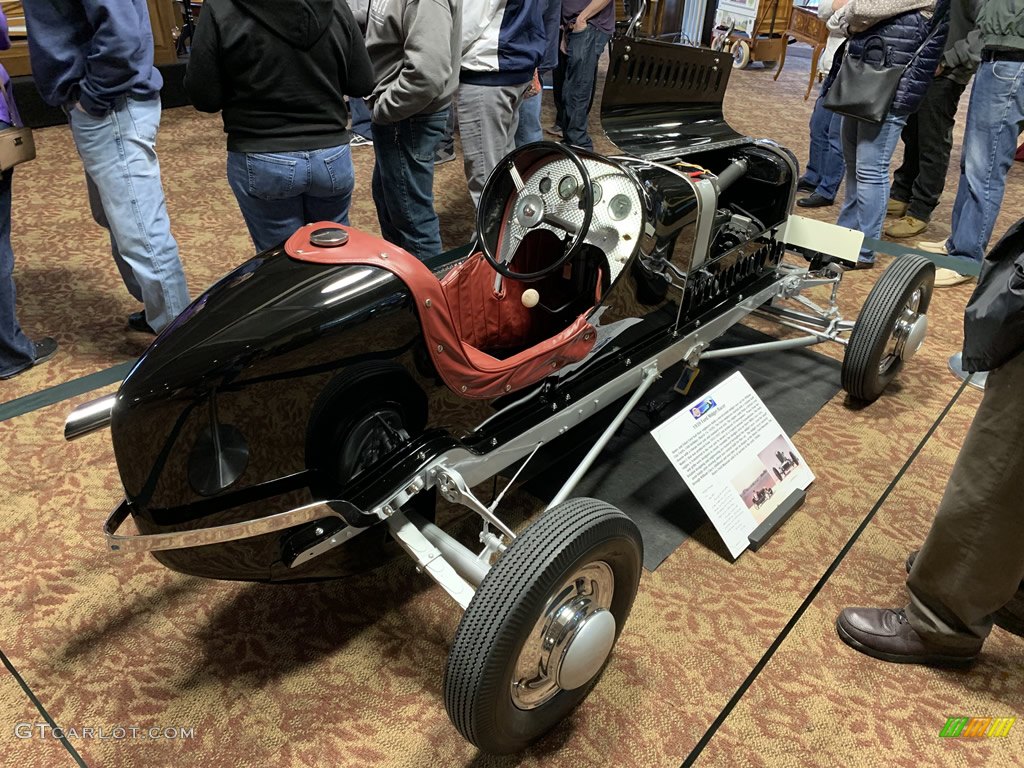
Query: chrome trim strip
<point x="89" y="417"/>
<point x="151" y="542"/>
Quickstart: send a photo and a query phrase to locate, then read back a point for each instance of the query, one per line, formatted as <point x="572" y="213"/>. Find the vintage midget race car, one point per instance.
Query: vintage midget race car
<point x="308" y="407"/>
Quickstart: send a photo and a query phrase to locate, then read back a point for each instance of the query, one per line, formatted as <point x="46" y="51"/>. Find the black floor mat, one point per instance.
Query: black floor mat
<point x="632" y="472"/>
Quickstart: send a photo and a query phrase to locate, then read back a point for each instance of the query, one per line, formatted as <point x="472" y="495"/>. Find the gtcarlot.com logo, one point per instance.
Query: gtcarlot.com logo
<point x="977" y="727"/>
<point x="103" y="733"/>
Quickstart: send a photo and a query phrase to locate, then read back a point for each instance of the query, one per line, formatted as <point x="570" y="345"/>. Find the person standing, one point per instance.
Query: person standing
<point x="969" y="573"/>
<point x="903" y="26"/>
<point x="502" y="46"/>
<point x="928" y="135"/>
<point x="94" y="59"/>
<point x="279" y="72"/>
<point x="995" y="118"/>
<point x="589" y="25"/>
<point x="825" y="165"/>
<point x="17" y="352"/>
<point x="415" y="47"/>
<point x="529" y="129"/>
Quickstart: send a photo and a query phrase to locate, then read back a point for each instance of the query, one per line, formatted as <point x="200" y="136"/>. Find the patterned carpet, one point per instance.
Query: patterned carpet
<point x="349" y="673"/>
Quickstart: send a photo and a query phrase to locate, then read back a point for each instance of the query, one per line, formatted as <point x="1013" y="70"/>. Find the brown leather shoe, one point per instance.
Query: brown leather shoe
<point x="886" y="634"/>
<point x="1010" y="617"/>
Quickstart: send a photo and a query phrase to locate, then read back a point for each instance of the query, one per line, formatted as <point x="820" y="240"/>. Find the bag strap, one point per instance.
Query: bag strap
<point x="10" y="105"/>
<point x="936" y="21"/>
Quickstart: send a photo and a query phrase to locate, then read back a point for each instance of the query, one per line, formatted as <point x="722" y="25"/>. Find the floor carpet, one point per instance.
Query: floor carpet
<point x="725" y="664"/>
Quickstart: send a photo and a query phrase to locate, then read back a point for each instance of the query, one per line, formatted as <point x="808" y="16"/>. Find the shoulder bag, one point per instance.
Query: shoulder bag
<point x="16" y="144"/>
<point x="865" y="88"/>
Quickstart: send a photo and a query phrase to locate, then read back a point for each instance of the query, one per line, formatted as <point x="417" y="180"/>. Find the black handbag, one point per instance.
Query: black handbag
<point x="864" y="89"/>
<point x="994" y="318"/>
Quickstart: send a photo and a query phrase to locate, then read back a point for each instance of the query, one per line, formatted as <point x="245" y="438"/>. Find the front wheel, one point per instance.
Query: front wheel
<point x="538" y="631"/>
<point x="890" y="329"/>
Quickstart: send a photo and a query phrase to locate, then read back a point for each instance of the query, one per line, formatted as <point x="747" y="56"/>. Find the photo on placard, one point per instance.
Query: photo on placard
<point x="779" y="458"/>
<point x="756" y="486"/>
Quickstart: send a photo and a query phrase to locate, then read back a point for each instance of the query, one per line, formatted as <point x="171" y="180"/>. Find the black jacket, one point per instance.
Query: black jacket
<point x="278" y="70"/>
<point x="994" y="318"/>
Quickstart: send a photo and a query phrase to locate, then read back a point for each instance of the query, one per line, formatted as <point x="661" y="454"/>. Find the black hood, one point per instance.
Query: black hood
<point x="300" y="23"/>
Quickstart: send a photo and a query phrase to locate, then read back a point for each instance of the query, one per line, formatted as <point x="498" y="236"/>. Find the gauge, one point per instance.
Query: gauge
<point x="567" y="187"/>
<point x="619" y="207"/>
<point x="545" y="185"/>
<point x="596" y="191"/>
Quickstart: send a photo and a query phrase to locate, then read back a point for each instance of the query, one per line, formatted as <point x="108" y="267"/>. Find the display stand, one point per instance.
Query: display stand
<point x="956" y="367"/>
<point x="770" y="524"/>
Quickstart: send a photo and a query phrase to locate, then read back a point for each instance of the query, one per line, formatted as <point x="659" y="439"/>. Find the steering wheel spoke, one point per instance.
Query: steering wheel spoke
<point x="527" y="208"/>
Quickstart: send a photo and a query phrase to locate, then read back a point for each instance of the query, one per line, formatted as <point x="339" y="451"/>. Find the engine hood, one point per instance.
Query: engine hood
<point x="663" y="100"/>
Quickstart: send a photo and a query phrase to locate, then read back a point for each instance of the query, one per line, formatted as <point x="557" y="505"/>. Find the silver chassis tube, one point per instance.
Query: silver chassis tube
<point x="468" y="469"/>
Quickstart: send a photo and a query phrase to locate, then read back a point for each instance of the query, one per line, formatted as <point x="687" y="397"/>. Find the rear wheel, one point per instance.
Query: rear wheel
<point x="740" y="54"/>
<point x="890" y="329"/>
<point x="538" y="631"/>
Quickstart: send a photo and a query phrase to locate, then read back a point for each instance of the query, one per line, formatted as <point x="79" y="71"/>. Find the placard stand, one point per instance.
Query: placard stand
<point x="770" y="524"/>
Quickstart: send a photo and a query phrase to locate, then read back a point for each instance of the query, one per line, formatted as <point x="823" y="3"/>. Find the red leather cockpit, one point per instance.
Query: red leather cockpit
<point x="462" y="317"/>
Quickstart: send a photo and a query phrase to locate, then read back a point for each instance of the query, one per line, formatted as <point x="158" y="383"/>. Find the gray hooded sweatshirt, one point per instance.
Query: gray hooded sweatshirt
<point x="415" y="47"/>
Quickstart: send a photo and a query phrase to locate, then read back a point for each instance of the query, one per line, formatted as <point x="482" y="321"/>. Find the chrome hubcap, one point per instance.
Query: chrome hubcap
<point x="572" y="639"/>
<point x="907" y="334"/>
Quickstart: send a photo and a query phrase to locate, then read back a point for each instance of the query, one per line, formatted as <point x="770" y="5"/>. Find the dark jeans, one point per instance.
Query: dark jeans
<point x="825" y="166"/>
<point x="584" y="49"/>
<point x="16" y="350"/>
<point x="403" y="182"/>
<point x="927" y="140"/>
<point x="360" y="118"/>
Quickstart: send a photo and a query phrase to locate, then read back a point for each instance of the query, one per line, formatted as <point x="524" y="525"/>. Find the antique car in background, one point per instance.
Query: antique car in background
<point x="311" y="403"/>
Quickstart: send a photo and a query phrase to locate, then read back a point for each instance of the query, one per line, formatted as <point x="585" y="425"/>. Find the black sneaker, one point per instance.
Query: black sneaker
<point x="444" y="155"/>
<point x="45" y="348"/>
<point x="137" y="322"/>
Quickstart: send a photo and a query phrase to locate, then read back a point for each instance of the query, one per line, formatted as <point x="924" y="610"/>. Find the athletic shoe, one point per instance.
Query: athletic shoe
<point x="45" y="348"/>
<point x="444" y="155"/>
<point x="360" y="141"/>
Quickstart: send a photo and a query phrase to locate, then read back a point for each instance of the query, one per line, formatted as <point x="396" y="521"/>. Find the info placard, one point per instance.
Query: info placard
<point x="735" y="458"/>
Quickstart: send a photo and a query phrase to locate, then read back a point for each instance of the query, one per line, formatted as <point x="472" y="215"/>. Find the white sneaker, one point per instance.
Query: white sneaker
<point x="947" y="277"/>
<point x="933" y="246"/>
<point x="360" y="141"/>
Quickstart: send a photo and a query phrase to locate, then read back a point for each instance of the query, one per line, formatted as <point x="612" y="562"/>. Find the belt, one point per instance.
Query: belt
<point x="991" y="54"/>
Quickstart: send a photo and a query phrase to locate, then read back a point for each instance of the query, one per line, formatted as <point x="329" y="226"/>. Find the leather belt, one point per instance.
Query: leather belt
<point x="992" y="54"/>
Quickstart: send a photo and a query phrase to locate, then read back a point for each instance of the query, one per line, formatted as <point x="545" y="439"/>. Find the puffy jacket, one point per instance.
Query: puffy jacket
<point x="903" y="35"/>
<point x="1001" y="23"/>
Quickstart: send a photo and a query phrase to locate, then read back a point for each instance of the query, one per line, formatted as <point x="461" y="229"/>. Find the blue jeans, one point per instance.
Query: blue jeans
<point x="17" y="351"/>
<point x="994" y="119"/>
<point x="868" y="150"/>
<point x="529" y="129"/>
<point x="122" y="173"/>
<point x="360" y="117"/>
<point x="403" y="182"/>
<point x="580" y="72"/>
<point x="825" y="166"/>
<point x="278" y="192"/>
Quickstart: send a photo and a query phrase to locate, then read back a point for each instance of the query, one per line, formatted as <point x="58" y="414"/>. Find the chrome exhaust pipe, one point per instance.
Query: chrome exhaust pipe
<point x="89" y="417"/>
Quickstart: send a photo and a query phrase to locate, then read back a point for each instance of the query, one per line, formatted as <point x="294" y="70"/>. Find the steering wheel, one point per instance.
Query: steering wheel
<point x="530" y="209"/>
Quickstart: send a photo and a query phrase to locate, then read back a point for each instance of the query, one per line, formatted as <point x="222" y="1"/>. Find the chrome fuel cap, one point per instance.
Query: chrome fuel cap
<point x="328" y="237"/>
